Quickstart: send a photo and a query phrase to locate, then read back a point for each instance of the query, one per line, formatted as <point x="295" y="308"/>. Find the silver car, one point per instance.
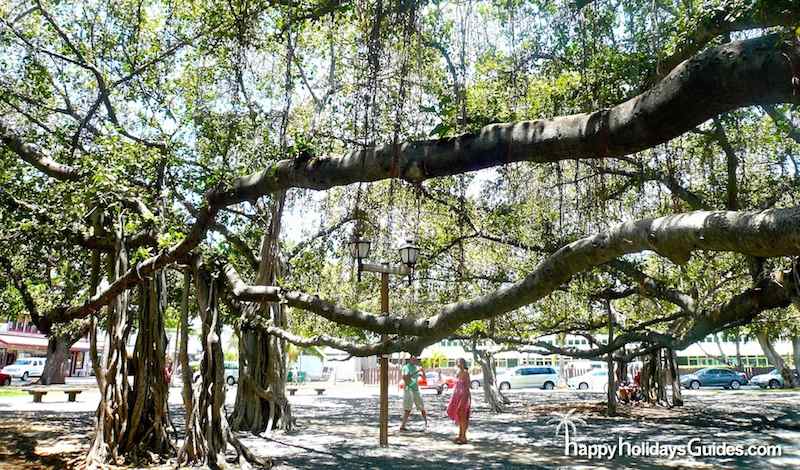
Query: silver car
<point x="231" y="372"/>
<point x="526" y="377"/>
<point x="772" y="379"/>
<point x="25" y="368"/>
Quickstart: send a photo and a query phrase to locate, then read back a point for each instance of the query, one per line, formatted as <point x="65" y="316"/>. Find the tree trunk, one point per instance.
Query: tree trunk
<point x="132" y="421"/>
<point x="149" y="420"/>
<point x="722" y="356"/>
<point x="738" y="353"/>
<point x="622" y="367"/>
<point x="656" y="370"/>
<point x="796" y="353"/>
<point x="612" y="386"/>
<point x="194" y="447"/>
<point x="262" y="357"/>
<point x="776" y="359"/>
<point x="112" y="373"/>
<point x="57" y="352"/>
<point x="675" y="377"/>
<point x="207" y="425"/>
<point x="494" y="398"/>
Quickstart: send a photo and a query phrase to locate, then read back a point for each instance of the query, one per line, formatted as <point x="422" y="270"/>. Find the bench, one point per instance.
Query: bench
<point x="319" y="391"/>
<point x="292" y="391"/>
<point x="38" y="393"/>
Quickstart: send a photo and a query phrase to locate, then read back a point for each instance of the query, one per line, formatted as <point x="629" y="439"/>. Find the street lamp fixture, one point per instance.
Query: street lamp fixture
<point x="408" y="255"/>
<point x="359" y="249"/>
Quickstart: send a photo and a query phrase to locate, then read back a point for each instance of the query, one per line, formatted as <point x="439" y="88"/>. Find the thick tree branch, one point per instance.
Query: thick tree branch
<point x="738" y="74"/>
<point x="729" y="17"/>
<point x="35" y="157"/>
<point x="771" y="292"/>
<point x="774" y="232"/>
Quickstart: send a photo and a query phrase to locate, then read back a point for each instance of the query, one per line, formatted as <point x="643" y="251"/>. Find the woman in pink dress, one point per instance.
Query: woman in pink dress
<point x="460" y="403"/>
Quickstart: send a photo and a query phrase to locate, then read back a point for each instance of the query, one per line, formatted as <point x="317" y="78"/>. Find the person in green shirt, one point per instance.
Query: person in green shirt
<point x="411" y="394"/>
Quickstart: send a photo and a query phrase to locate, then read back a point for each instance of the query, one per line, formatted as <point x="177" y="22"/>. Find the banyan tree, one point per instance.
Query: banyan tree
<point x="625" y="171"/>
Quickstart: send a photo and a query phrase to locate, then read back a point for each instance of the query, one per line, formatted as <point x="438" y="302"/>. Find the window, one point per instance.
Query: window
<point x="512" y="362"/>
<point x="683" y="361"/>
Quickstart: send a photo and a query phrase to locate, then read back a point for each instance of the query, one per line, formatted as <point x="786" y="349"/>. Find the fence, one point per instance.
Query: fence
<point x="372" y="376"/>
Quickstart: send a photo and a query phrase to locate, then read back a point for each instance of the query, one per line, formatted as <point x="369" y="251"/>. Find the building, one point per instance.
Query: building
<point x="20" y="339"/>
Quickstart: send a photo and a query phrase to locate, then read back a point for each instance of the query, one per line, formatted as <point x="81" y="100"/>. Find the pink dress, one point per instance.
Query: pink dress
<point x="461" y="401"/>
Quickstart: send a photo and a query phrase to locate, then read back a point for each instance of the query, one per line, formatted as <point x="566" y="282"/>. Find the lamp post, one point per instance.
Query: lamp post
<point x="409" y="253"/>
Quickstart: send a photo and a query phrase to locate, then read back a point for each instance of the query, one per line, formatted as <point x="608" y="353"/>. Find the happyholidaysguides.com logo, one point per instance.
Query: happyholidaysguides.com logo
<point x="566" y="424"/>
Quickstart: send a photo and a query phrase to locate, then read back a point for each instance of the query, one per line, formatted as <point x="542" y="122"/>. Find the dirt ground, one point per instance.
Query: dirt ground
<point x="339" y="431"/>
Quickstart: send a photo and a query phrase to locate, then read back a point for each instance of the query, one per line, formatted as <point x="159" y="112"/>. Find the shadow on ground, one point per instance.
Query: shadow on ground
<point x="340" y="432"/>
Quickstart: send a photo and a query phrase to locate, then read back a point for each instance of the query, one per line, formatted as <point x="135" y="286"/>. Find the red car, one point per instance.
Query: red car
<point x="5" y="379"/>
<point x="432" y="381"/>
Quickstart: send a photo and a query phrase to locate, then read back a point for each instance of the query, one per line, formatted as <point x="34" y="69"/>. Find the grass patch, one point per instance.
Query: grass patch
<point x="11" y="392"/>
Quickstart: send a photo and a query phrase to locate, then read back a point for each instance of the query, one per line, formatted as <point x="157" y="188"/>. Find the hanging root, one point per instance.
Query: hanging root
<point x="242" y="451"/>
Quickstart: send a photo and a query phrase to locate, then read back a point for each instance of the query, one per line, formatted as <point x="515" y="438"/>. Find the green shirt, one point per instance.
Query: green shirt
<point x="412" y="371"/>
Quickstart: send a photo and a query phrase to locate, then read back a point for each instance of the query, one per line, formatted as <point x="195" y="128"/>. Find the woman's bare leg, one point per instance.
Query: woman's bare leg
<point x="461" y="432"/>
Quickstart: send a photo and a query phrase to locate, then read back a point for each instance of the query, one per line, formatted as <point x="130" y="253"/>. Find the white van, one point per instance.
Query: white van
<point x="522" y="377"/>
<point x="25" y="368"/>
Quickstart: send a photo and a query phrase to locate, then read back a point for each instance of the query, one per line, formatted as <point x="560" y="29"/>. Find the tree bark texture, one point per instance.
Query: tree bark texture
<point x="149" y="423"/>
<point x="611" y="391"/>
<point x="261" y="404"/>
<point x="112" y="374"/>
<point x="194" y="448"/>
<point x="57" y="352"/>
<point x="207" y="423"/>
<point x="775" y="359"/>
<point x="494" y="398"/>
<point x="132" y="419"/>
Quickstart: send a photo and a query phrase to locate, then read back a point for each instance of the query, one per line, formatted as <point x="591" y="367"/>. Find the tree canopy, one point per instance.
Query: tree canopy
<point x="548" y="156"/>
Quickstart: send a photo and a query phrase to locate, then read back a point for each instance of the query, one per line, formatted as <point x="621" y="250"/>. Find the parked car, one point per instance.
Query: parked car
<point x="595" y="379"/>
<point x="772" y="379"/>
<point x="476" y="381"/>
<point x="5" y="379"/>
<point x="521" y="377"/>
<point x="231" y="372"/>
<point x="433" y="381"/>
<point x="714" y="377"/>
<point x="25" y="368"/>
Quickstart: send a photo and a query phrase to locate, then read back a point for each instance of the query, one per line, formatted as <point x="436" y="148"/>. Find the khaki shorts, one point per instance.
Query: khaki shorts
<point x="412" y="397"/>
